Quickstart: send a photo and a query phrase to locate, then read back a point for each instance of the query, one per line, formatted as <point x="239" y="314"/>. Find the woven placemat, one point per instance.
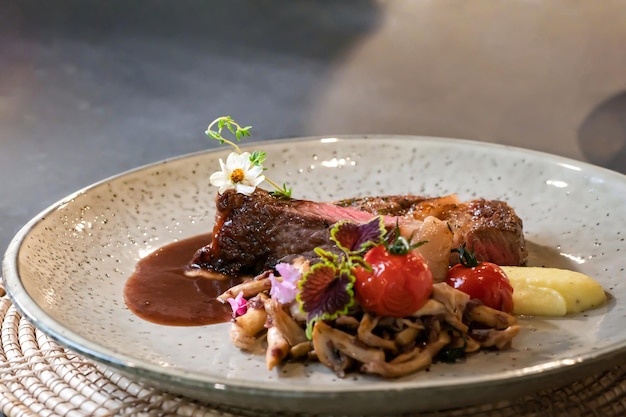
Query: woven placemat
<point x="40" y="378"/>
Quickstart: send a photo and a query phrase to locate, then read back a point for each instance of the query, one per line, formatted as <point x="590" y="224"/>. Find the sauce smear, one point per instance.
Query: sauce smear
<point x="160" y="292"/>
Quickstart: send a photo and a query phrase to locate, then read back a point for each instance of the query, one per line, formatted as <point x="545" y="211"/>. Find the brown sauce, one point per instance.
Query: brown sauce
<point x="159" y="291"/>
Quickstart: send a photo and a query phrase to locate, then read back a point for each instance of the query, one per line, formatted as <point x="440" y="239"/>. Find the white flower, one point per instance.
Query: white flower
<point x="238" y="173"/>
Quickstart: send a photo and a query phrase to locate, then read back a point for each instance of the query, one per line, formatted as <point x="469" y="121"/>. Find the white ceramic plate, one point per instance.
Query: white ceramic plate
<point x="66" y="269"/>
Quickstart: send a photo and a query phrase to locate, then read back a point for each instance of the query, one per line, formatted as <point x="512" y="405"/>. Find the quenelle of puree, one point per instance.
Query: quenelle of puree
<point x="553" y="292"/>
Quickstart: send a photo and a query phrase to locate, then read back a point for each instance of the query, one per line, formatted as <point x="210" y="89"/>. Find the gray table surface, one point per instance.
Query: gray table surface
<point x="89" y="89"/>
<point x="92" y="88"/>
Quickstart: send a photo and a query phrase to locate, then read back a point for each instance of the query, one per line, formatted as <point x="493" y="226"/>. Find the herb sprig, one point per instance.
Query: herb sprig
<point x="242" y="170"/>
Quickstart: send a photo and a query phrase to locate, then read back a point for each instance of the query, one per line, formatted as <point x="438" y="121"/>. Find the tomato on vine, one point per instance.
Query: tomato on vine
<point x="485" y="281"/>
<point x="398" y="281"/>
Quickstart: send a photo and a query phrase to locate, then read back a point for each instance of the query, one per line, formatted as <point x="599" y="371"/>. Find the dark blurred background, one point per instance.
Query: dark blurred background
<point x="92" y="88"/>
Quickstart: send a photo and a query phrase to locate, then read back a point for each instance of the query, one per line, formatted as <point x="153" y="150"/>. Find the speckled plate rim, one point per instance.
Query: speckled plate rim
<point x="526" y="380"/>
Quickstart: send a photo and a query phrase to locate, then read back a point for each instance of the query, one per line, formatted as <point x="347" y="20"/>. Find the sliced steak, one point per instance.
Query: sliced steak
<point x="393" y="205"/>
<point x="489" y="228"/>
<point x="253" y="233"/>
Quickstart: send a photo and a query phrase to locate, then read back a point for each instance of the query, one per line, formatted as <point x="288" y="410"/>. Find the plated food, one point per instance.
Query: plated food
<point x="67" y="268"/>
<point x="381" y="285"/>
<point x="368" y="291"/>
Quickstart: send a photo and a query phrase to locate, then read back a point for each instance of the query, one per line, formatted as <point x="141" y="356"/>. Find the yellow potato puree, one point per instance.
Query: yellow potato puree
<point x="552" y="292"/>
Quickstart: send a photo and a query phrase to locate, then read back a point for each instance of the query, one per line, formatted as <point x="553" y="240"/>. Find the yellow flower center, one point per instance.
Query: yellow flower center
<point x="237" y="175"/>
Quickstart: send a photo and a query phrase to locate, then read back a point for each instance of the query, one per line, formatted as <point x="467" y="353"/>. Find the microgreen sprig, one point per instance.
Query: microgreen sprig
<point x="397" y="244"/>
<point x="232" y="126"/>
<point x="243" y="178"/>
<point x="466" y="256"/>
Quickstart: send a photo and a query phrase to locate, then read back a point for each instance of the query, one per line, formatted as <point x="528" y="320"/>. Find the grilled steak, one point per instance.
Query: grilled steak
<point x="489" y="228"/>
<point x="253" y="233"/>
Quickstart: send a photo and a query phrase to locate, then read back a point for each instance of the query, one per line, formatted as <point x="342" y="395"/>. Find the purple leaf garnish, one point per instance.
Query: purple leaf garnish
<point x="355" y="238"/>
<point x="326" y="292"/>
<point x="326" y="256"/>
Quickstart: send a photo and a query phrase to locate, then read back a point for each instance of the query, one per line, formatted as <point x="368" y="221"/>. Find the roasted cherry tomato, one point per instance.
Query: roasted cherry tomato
<point x="485" y="281"/>
<point x="397" y="286"/>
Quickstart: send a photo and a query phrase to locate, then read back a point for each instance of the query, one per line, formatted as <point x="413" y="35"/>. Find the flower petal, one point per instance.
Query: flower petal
<point x="244" y="189"/>
<point x="282" y="290"/>
<point x="233" y="161"/>
<point x="238" y="304"/>
<point x="218" y="178"/>
<point x="289" y="272"/>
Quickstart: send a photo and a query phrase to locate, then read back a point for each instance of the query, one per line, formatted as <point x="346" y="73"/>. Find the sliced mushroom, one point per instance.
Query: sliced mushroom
<point x="347" y="321"/>
<point x="240" y="339"/>
<point x="417" y="360"/>
<point x="324" y="336"/>
<point x="431" y="308"/>
<point x="277" y="348"/>
<point x="436" y="308"/>
<point x="250" y="288"/>
<point x="472" y="345"/>
<point x="252" y="322"/>
<point x="326" y="352"/>
<point x="491" y="317"/>
<point x="415" y="323"/>
<point x="500" y="339"/>
<point x="454" y="301"/>
<point x="406" y="336"/>
<point x="301" y="349"/>
<point x="279" y="318"/>
<point x="208" y="274"/>
<point x="364" y="332"/>
<point x="407" y="356"/>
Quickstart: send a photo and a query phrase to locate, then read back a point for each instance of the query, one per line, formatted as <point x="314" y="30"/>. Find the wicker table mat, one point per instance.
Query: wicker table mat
<point x="40" y="378"/>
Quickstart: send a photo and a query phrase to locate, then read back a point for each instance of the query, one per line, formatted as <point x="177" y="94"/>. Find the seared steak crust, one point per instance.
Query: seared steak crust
<point x="253" y="233"/>
<point x="395" y="205"/>
<point x="490" y="228"/>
